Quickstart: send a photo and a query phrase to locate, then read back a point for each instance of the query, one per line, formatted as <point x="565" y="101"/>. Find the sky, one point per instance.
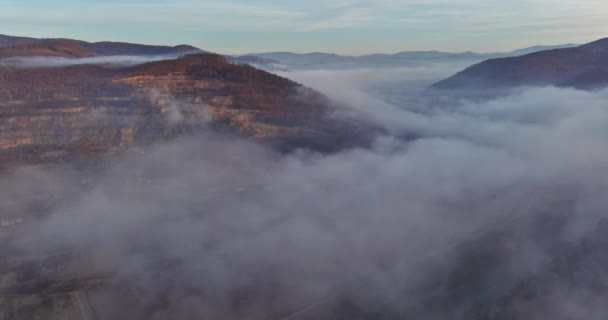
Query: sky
<point x="340" y="26"/>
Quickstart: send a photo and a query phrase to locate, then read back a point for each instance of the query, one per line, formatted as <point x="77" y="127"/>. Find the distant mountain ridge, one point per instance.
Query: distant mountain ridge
<point x="582" y="67"/>
<point x="105" y="48"/>
<point x="272" y="61"/>
<point x="6" y="40"/>
<point x="320" y="59"/>
<point x="46" y="48"/>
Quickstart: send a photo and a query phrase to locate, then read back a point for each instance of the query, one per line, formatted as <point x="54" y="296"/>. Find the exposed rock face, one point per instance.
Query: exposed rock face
<point x="584" y="67"/>
<point x="89" y="108"/>
<point x="49" y="114"/>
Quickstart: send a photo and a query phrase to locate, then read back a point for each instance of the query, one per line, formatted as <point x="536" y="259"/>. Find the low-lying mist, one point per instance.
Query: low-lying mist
<point x="55" y="62"/>
<point x="462" y="210"/>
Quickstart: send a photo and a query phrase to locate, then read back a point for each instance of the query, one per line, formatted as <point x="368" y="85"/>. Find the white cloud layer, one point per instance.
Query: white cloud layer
<point x="477" y="202"/>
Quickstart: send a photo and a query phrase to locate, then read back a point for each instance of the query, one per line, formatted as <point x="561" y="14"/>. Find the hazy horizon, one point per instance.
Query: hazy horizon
<point x="341" y="27"/>
<point x="296" y="52"/>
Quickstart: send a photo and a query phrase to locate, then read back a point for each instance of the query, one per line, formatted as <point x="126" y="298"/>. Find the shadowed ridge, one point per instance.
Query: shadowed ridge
<point x="601" y="44"/>
<point x="557" y="67"/>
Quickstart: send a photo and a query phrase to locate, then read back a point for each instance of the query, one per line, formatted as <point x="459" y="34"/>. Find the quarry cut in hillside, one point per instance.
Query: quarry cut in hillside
<point x="83" y="109"/>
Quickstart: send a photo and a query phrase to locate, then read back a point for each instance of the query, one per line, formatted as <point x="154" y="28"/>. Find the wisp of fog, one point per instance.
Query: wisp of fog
<point x="50" y="62"/>
<point x="462" y="210"/>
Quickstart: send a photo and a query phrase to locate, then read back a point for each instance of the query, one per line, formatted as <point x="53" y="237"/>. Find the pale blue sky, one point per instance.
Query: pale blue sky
<point x="341" y="26"/>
